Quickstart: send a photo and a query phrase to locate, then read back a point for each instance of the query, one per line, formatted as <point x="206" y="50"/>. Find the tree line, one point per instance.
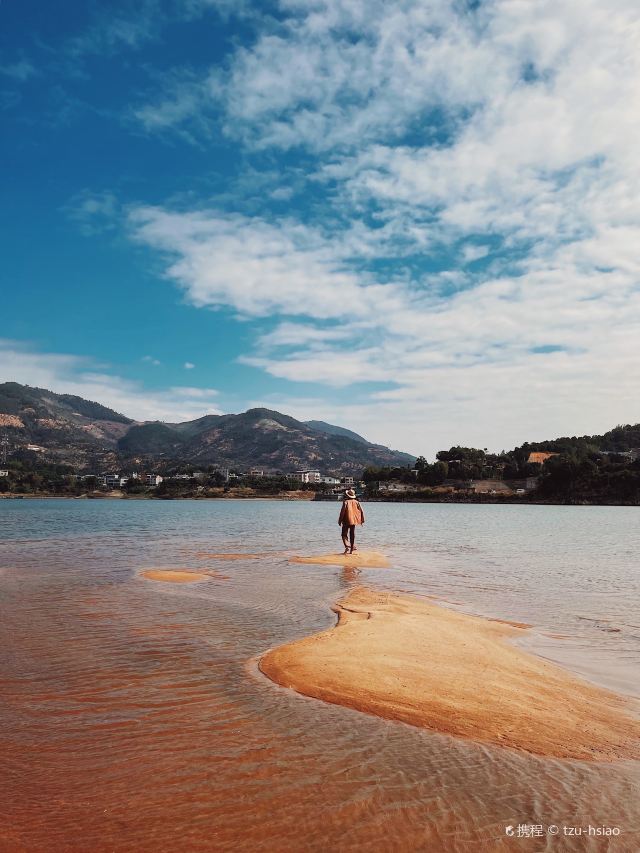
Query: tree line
<point x="583" y="469"/>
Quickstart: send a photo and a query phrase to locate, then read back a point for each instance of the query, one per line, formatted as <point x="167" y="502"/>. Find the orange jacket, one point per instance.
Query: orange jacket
<point x="351" y="512"/>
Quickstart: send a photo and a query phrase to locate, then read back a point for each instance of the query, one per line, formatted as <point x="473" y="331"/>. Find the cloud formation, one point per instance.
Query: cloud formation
<point x="257" y="267"/>
<point x="495" y="136"/>
<point x="471" y="253"/>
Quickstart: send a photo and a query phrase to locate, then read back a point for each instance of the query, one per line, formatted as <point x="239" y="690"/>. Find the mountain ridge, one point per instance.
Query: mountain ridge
<point x="88" y="435"/>
<point x="332" y="429"/>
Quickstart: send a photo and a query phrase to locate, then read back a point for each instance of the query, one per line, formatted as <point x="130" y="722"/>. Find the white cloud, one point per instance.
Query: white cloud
<point x="188" y="365"/>
<point x="183" y="99"/>
<point x="257" y="267"/>
<point x="149" y="359"/>
<point x="303" y="334"/>
<point x="474" y="253"/>
<point x="338" y="74"/>
<point x="71" y="374"/>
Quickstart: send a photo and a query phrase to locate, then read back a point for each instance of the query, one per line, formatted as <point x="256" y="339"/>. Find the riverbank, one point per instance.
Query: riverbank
<point x="402" y="658"/>
<point x="213" y="494"/>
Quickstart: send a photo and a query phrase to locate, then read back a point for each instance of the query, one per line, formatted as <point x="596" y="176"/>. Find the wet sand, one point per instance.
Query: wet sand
<point x="361" y="559"/>
<point x="405" y="659"/>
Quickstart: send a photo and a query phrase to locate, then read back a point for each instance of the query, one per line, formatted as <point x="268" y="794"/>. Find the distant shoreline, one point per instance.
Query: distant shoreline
<point x="310" y="497"/>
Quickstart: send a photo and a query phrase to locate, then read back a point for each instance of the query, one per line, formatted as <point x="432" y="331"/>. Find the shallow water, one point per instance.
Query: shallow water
<point x="132" y="715"/>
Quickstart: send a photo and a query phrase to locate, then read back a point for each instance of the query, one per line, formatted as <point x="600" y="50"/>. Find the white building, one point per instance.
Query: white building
<point x="153" y="480"/>
<point x="307" y="476"/>
<point x="330" y="481"/>
<point x="4" y="473"/>
<point x="115" y="481"/>
<point x="347" y="481"/>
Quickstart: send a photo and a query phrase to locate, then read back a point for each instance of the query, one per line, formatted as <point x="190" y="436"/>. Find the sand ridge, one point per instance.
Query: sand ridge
<point x="406" y="659"/>
<point x="361" y="559"/>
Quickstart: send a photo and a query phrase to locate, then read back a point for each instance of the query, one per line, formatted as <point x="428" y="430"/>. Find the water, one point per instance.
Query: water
<point x="133" y="718"/>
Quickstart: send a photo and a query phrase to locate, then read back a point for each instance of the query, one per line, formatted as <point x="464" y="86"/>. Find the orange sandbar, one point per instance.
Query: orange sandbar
<point x="405" y="659"/>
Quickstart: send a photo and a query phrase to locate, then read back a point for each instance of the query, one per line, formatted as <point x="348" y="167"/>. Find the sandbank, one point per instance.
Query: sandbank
<point x="176" y="575"/>
<point x="361" y="559"/>
<point x="406" y="659"/>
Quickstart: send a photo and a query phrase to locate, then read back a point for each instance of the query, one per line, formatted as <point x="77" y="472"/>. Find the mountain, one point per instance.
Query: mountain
<point x="332" y="429"/>
<point x="90" y="436"/>
<point x="64" y="427"/>
<point x="15" y="398"/>
<point x="258" y="438"/>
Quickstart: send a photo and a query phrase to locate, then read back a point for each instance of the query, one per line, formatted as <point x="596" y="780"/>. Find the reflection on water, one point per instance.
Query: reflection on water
<point x="133" y="717"/>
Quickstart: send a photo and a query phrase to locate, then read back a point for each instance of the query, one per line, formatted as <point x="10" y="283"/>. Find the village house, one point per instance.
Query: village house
<point x="153" y="480"/>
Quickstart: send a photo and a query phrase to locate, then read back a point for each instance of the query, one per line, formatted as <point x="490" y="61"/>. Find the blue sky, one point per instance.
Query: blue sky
<point x="421" y="221"/>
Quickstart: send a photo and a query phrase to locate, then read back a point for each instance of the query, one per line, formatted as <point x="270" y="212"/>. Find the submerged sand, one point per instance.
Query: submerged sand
<point x="361" y="559"/>
<point x="178" y="575"/>
<point x="205" y="555"/>
<point x="405" y="659"/>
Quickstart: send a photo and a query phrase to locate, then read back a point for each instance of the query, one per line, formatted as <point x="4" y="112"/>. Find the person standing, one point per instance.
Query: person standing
<point x="351" y="514"/>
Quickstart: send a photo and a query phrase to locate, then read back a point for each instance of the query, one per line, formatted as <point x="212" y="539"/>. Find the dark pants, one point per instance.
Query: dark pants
<point x="350" y="531"/>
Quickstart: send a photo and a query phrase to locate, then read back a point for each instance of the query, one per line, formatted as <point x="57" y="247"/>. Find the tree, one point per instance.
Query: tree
<point x="434" y="475"/>
<point x="134" y="487"/>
